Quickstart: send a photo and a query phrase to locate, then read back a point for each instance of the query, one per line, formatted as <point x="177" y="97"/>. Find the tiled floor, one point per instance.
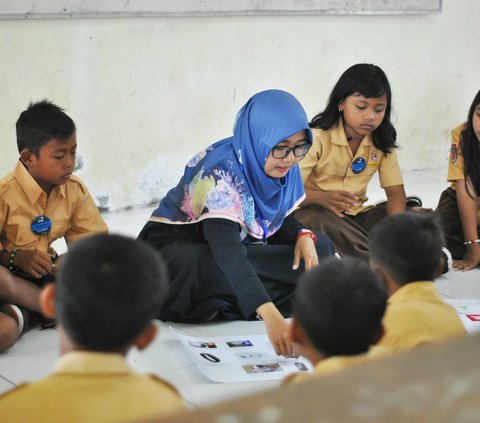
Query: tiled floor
<point x="35" y="354"/>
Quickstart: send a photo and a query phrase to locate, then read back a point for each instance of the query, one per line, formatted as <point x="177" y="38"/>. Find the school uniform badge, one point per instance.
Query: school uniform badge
<point x="453" y="154"/>
<point x="358" y="165"/>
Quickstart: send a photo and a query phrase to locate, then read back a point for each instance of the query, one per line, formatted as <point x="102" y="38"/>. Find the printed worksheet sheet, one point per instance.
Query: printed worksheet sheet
<point x="469" y="311"/>
<point x="230" y="359"/>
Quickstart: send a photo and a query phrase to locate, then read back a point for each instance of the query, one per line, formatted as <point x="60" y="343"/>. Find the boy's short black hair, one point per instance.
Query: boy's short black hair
<point x="340" y="305"/>
<point x="408" y="246"/>
<point x="109" y="289"/>
<point x="40" y="123"/>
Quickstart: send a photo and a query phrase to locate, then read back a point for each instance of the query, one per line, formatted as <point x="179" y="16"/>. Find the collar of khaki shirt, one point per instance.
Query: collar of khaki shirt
<point x="339" y="136"/>
<point x="84" y="362"/>
<point x="30" y="186"/>
<point x="417" y="289"/>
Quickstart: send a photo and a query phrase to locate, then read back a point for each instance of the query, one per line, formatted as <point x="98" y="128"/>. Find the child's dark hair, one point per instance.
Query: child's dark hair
<point x="371" y="82"/>
<point x="109" y="289"/>
<point x="40" y="123"/>
<point x="408" y="246"/>
<point x="470" y="147"/>
<point x="340" y="306"/>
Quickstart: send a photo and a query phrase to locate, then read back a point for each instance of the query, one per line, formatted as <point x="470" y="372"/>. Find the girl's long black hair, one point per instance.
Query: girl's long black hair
<point x="470" y="147"/>
<point x="367" y="80"/>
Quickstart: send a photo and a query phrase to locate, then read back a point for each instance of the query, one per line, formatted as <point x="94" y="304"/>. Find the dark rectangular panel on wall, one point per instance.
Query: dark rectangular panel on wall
<point x="28" y="9"/>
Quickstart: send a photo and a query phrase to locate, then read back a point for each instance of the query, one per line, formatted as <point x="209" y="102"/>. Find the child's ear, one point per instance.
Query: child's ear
<point x="297" y="334"/>
<point x="388" y="281"/>
<point x="47" y="300"/>
<point x="146" y="337"/>
<point x="26" y="156"/>
<point x="303" y="346"/>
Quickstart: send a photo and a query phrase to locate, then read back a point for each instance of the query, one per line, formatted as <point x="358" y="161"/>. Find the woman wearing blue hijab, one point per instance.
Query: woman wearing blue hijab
<point x="226" y="230"/>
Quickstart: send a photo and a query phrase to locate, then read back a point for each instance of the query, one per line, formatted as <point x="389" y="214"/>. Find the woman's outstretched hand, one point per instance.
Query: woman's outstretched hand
<point x="278" y="329"/>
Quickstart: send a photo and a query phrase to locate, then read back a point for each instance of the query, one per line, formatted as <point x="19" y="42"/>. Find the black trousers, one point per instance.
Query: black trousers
<point x="199" y="291"/>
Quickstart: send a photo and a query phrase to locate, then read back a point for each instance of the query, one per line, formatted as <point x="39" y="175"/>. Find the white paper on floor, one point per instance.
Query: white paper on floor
<point x="248" y="358"/>
<point x="469" y="311"/>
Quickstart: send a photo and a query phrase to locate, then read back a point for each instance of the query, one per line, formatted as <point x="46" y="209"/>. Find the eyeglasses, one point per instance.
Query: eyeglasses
<point x="282" y="151"/>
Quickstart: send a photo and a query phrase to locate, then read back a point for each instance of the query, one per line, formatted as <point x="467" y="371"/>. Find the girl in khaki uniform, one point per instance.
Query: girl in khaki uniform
<point x="459" y="205"/>
<point x="353" y="140"/>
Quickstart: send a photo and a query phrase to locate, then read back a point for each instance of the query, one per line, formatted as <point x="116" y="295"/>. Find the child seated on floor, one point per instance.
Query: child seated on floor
<point x="406" y="249"/>
<point x="338" y="312"/>
<point x="459" y="205"/>
<point x="40" y="201"/>
<point x="108" y="291"/>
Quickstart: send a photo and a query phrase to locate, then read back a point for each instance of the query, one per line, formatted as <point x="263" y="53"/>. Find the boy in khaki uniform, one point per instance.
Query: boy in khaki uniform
<point x="337" y="316"/>
<point x="406" y="250"/>
<point x="108" y="292"/>
<point x="40" y="201"/>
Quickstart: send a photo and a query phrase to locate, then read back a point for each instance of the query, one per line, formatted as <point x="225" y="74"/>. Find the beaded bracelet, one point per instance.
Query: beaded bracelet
<point x="10" y="261"/>
<point x="308" y="233"/>
<point x="473" y="241"/>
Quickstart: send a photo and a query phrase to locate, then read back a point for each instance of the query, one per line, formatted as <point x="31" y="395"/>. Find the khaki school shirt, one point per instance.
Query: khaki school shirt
<point x="416" y="315"/>
<point x="90" y="387"/>
<point x="70" y="207"/>
<point x="328" y="165"/>
<point x="337" y="363"/>
<point x="455" y="163"/>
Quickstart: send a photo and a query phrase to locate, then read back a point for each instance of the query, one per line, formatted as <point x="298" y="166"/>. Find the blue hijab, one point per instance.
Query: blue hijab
<point x="227" y="180"/>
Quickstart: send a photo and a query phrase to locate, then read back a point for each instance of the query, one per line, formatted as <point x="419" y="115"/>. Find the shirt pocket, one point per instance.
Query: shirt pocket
<point x="20" y="236"/>
<point x="331" y="168"/>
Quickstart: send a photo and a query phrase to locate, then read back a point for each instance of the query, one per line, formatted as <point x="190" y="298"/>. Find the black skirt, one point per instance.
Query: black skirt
<point x="204" y="289"/>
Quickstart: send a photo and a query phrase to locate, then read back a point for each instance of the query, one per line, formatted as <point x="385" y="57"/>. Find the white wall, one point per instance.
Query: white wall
<point x="147" y="93"/>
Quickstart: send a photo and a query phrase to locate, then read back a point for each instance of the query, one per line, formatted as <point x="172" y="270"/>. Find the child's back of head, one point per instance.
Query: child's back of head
<point x="407" y="246"/>
<point x="109" y="289"/>
<point x="40" y="123"/>
<point x="339" y="306"/>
